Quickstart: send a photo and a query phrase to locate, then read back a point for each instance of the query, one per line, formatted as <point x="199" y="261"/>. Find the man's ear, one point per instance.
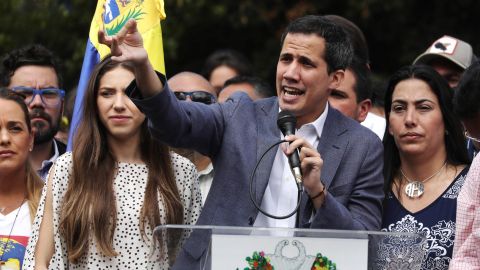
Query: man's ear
<point x="336" y="78"/>
<point x="363" y="108"/>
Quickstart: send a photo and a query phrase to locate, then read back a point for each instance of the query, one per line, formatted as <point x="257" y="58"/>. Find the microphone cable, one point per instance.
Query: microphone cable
<point x="252" y="197"/>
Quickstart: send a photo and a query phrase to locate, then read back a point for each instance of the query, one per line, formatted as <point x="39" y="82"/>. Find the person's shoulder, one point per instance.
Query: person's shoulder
<point x="476" y="162"/>
<point x="64" y="159"/>
<point x="181" y="163"/>
<point x="185" y="172"/>
<point x="242" y="104"/>
<point x="355" y="129"/>
<point x="61" y="170"/>
<point x="242" y="97"/>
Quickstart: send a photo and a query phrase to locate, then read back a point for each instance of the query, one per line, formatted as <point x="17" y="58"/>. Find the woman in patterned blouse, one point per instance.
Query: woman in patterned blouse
<point x="103" y="200"/>
<point x="425" y="162"/>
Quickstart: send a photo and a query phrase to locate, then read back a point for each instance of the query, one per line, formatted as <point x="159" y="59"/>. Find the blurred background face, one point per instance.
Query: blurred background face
<point x="118" y="114"/>
<point x="220" y="75"/>
<point x="240" y="87"/>
<point x="344" y="98"/>
<point x="449" y="71"/>
<point x="190" y="82"/>
<point x="415" y="120"/>
<point x="15" y="138"/>
<point x="45" y="119"/>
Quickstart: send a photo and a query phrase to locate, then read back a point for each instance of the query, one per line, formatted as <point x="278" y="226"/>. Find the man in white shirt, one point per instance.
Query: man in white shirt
<point x="189" y="82"/>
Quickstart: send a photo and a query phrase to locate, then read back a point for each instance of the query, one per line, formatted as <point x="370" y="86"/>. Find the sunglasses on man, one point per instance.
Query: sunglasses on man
<point x="196" y="96"/>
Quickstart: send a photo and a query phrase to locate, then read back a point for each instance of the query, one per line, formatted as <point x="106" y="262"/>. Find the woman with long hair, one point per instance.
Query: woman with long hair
<point x="425" y="161"/>
<point x="20" y="186"/>
<point x="104" y="199"/>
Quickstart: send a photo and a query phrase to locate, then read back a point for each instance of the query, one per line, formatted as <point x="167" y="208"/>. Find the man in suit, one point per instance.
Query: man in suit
<point x="353" y="96"/>
<point x="184" y="83"/>
<point x="35" y="68"/>
<point x="341" y="161"/>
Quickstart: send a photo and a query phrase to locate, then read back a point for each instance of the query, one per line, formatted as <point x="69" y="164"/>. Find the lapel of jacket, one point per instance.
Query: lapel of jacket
<point x="267" y="134"/>
<point x="332" y="144"/>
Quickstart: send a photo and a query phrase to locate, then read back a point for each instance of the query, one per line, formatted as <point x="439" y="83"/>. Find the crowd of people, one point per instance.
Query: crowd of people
<point x="151" y="151"/>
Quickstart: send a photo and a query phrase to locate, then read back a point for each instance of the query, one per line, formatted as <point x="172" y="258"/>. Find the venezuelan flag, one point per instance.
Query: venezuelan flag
<point x="111" y="15"/>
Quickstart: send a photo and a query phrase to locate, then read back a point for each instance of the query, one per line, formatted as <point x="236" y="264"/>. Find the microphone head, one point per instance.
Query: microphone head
<point x="286" y="122"/>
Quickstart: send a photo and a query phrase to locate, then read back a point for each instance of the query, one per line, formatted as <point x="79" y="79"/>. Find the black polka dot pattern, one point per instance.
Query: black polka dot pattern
<point x="129" y="186"/>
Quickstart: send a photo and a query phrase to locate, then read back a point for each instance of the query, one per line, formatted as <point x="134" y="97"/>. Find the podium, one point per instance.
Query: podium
<point x="285" y="248"/>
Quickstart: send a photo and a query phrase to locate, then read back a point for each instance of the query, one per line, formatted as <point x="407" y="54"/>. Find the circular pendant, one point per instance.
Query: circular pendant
<point x="414" y="189"/>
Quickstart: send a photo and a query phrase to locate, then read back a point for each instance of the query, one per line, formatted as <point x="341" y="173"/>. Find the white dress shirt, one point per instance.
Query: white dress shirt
<point x="375" y="123"/>
<point x="205" y="178"/>
<point x="281" y="194"/>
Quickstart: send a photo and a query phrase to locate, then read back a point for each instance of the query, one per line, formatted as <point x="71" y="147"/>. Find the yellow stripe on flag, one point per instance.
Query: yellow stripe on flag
<point x="147" y="13"/>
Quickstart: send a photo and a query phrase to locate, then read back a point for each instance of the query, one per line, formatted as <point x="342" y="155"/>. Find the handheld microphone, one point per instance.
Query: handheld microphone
<point x="286" y="123"/>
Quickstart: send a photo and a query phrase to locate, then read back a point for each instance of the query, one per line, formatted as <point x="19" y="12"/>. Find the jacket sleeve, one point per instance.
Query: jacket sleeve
<point x="467" y="239"/>
<point x="363" y="208"/>
<point x="181" y="124"/>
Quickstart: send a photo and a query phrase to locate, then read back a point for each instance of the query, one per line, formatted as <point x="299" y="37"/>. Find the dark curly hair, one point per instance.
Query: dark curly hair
<point x="34" y="54"/>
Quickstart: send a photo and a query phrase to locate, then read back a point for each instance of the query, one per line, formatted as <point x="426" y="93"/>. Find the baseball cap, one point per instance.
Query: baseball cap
<point x="453" y="49"/>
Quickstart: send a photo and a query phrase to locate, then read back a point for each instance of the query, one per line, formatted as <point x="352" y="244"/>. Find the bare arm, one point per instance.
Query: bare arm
<point x="45" y="246"/>
<point x="127" y="45"/>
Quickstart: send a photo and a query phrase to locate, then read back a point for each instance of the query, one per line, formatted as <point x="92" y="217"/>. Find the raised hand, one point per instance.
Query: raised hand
<point x="126" y="45"/>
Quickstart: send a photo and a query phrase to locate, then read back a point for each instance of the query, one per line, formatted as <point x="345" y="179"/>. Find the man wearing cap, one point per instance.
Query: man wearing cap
<point x="449" y="56"/>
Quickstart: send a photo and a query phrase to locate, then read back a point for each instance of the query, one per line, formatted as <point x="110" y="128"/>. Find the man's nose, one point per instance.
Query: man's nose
<point x="36" y="101"/>
<point x="292" y="71"/>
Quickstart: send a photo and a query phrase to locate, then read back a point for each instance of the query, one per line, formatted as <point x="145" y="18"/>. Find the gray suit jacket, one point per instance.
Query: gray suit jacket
<point x="236" y="133"/>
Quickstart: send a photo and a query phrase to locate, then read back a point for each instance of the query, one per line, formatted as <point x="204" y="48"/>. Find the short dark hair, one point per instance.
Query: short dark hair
<point x="362" y="74"/>
<point x="261" y="87"/>
<point x="454" y="142"/>
<point x="378" y="85"/>
<point x="466" y="102"/>
<point x="226" y="57"/>
<point x="34" y="54"/>
<point x="338" y="48"/>
<point x="357" y="38"/>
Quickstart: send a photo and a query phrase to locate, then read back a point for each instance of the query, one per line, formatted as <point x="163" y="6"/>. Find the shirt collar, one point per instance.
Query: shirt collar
<point x="312" y="131"/>
<point x="54" y="157"/>
<point x="319" y="122"/>
<point x="207" y="170"/>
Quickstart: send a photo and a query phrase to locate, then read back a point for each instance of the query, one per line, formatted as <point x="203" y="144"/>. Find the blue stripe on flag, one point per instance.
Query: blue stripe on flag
<point x="91" y="58"/>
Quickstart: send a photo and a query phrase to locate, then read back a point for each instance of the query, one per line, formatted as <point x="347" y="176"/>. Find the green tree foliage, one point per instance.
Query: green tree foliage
<point x="61" y="26"/>
<point x="396" y="30"/>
